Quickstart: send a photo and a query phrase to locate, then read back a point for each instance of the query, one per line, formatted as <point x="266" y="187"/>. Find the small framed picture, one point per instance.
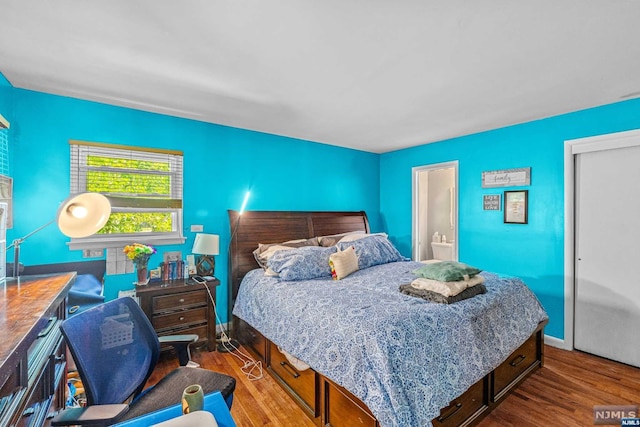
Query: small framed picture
<point x="516" y="206"/>
<point x="491" y="202"/>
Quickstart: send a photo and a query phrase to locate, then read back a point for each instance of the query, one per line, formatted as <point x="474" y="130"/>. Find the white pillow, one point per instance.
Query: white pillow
<point x="343" y="263"/>
<point x="332" y="239"/>
<point x="357" y="236"/>
<point x="267" y="254"/>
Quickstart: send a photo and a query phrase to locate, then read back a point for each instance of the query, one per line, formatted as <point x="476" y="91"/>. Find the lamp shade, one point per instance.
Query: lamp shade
<point x="206" y="244"/>
<point x="84" y="214"/>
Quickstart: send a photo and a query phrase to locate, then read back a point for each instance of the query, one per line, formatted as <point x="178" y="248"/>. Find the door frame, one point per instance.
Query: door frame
<point x="572" y="148"/>
<point x="415" y="172"/>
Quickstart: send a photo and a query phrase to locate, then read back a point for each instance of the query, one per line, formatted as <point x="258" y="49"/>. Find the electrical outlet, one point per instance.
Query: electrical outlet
<point x="92" y="253"/>
<point x="171" y="256"/>
<point x="197" y="228"/>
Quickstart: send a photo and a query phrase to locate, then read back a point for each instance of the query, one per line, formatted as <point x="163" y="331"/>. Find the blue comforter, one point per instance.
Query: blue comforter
<point x="404" y="357"/>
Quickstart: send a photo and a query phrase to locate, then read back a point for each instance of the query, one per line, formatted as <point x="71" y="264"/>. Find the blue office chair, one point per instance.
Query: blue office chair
<point x="115" y="349"/>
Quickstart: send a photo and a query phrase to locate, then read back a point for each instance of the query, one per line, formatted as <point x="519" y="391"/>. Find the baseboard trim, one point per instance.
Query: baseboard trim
<point x="221" y="327"/>
<point x="556" y="342"/>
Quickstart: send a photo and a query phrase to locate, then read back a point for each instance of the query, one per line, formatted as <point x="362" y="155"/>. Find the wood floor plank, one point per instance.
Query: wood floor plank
<point x="564" y="392"/>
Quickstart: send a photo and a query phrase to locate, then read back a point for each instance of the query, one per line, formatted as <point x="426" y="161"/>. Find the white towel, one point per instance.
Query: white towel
<point x="294" y="361"/>
<point x="448" y="289"/>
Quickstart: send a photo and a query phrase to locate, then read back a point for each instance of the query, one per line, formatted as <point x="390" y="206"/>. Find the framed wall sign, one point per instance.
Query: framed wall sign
<point x="491" y="202"/>
<point x="506" y="178"/>
<point x="516" y="206"/>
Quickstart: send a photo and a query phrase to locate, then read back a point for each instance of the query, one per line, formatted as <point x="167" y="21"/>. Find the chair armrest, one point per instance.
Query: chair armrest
<point x="181" y="344"/>
<point x="187" y="338"/>
<point x="97" y="415"/>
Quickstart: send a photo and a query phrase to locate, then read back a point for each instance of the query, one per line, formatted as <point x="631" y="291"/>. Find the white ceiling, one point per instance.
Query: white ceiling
<point x="369" y="74"/>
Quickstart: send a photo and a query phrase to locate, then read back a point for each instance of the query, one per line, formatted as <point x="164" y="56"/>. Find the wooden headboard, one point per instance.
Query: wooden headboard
<point x="254" y="227"/>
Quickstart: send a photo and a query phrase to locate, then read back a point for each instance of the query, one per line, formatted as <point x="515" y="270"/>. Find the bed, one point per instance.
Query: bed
<point x="374" y="355"/>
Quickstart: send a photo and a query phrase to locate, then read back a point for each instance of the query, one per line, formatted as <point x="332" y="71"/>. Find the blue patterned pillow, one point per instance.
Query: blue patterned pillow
<point x="373" y="250"/>
<point x="309" y="262"/>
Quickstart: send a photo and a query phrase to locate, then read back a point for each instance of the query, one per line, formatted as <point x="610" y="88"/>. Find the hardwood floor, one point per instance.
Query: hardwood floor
<point x="565" y="390"/>
<point x="562" y="393"/>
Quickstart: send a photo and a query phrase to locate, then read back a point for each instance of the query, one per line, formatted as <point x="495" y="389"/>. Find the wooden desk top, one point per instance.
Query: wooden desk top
<point x="26" y="303"/>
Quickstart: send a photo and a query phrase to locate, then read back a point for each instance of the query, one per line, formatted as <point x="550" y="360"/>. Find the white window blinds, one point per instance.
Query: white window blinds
<point x="144" y="186"/>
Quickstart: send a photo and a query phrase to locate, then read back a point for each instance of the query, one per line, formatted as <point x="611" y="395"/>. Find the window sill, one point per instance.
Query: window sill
<point x="81" y="244"/>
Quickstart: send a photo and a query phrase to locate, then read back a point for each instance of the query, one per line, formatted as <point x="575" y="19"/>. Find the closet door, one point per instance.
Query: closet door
<point x="607" y="289"/>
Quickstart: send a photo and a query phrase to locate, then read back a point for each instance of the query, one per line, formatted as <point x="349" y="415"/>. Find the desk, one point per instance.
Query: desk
<point x="32" y="351"/>
<point x="179" y="307"/>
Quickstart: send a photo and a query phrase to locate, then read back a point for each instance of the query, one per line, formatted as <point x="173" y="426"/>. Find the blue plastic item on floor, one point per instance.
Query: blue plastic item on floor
<point x="213" y="403"/>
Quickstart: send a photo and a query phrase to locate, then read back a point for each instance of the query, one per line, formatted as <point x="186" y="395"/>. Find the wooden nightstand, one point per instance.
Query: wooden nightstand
<point x="180" y="307"/>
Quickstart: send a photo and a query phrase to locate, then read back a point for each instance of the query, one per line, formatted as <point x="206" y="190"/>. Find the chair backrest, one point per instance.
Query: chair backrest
<point x="115" y="349"/>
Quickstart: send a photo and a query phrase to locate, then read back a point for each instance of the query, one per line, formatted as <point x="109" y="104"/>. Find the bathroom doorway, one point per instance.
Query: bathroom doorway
<point x="435" y="211"/>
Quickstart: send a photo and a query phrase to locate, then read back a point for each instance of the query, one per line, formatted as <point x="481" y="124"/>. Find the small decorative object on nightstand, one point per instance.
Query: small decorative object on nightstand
<point x="206" y="245"/>
<point x="140" y="254"/>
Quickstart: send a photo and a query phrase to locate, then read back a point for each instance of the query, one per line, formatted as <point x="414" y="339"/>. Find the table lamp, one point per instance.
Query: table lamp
<point x="206" y="245"/>
<point x="79" y="215"/>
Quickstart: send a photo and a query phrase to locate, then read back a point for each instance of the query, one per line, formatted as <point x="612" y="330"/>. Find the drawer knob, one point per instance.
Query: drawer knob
<point x="181" y="300"/>
<point x="518" y="360"/>
<point x="181" y="317"/>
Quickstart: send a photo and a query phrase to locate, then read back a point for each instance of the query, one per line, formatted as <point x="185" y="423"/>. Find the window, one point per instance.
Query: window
<point x="144" y="186"/>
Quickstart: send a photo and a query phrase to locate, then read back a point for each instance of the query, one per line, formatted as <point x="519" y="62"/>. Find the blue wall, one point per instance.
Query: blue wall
<point x="221" y="164"/>
<point x="534" y="252"/>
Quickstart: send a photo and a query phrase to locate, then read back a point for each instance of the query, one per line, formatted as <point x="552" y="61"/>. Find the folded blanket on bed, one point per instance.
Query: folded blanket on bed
<point x="447" y="289"/>
<point x="432" y="296"/>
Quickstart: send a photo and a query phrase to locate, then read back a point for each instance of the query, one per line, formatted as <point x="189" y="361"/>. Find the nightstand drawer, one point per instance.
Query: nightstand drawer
<point x="200" y="331"/>
<point x="179" y="301"/>
<point x="179" y="307"/>
<point x="180" y="318"/>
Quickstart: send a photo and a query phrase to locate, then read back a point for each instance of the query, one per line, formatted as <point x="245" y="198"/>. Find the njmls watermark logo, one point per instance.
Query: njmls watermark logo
<point x="615" y="415"/>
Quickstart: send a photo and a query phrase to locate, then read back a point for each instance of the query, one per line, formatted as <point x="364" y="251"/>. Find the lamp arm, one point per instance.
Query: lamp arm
<point x="16" y="247"/>
<point x="22" y="239"/>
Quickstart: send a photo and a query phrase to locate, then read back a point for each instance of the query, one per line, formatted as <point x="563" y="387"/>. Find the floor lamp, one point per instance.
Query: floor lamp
<point x="80" y="215"/>
<point x="223" y="347"/>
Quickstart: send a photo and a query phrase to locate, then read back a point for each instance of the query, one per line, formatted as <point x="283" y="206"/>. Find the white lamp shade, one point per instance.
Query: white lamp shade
<point x="84" y="214"/>
<point x="206" y="244"/>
